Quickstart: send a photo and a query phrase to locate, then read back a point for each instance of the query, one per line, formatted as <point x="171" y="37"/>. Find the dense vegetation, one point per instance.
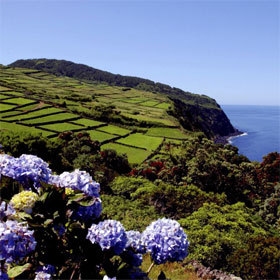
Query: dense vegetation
<point x="145" y="143"/>
<point x="228" y="205"/>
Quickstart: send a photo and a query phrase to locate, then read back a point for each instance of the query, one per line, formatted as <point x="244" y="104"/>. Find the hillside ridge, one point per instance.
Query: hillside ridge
<point x="195" y="112"/>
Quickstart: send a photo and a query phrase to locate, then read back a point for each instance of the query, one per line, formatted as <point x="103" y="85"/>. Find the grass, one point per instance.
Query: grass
<point x="33" y="114"/>
<point x="20" y="101"/>
<point x="167" y="132"/>
<point x="4" y="107"/>
<point x="174" y="271"/>
<point x="60" y="127"/>
<point x="163" y="106"/>
<point x="22" y="128"/>
<point x="114" y="130"/>
<point x="4" y="88"/>
<point x="88" y="122"/>
<point x="134" y="155"/>
<point x="149" y="103"/>
<point x="52" y="118"/>
<point x="100" y="136"/>
<point x="141" y="141"/>
<point x="4" y="96"/>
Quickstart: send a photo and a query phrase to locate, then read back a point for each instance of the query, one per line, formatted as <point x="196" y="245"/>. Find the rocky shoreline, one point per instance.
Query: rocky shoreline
<point x="225" y="139"/>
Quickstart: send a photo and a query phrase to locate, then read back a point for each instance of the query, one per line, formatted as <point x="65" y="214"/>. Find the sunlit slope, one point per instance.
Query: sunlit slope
<point x="194" y="111"/>
<point x="131" y="121"/>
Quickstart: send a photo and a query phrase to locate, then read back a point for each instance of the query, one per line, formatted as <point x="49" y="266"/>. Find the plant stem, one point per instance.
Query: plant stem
<point x="150" y="268"/>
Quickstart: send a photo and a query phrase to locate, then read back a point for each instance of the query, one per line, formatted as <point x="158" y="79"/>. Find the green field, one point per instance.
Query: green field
<point x="22" y="128"/>
<point x="149" y="103"/>
<point x="134" y="155"/>
<point x="100" y="136"/>
<point x="163" y="106"/>
<point x="20" y="101"/>
<point x="60" y="127"/>
<point x="4" y="107"/>
<point x="114" y="130"/>
<point x="88" y="122"/>
<point x="34" y="114"/>
<point x="141" y="141"/>
<point x="167" y="132"/>
<point x="51" y="118"/>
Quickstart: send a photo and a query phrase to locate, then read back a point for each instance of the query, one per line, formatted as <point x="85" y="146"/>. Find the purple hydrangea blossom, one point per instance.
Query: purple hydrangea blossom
<point x="88" y="213"/>
<point x="6" y="210"/>
<point x="16" y="241"/>
<point x="78" y="180"/>
<point x="25" y="168"/>
<point x="166" y="240"/>
<point x="134" y="241"/>
<point x="109" y="234"/>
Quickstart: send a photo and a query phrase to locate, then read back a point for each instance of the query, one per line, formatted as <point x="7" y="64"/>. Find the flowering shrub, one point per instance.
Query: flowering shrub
<point x="24" y="201"/>
<point x="58" y="233"/>
<point x="166" y="241"/>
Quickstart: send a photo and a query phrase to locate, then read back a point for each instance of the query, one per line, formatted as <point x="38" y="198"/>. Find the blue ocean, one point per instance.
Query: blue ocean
<point x="261" y="127"/>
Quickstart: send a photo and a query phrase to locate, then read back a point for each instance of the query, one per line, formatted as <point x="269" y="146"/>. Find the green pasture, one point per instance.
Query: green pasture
<point x="60" y="127"/>
<point x="134" y="155"/>
<point x="149" y="103"/>
<point x="35" y="114"/>
<point x="20" y="101"/>
<point x="4" y="96"/>
<point x="88" y="122"/>
<point x="4" y="88"/>
<point x="167" y="132"/>
<point x="113" y="129"/>
<point x="22" y="128"/>
<point x="100" y="136"/>
<point x="163" y="106"/>
<point x="51" y="118"/>
<point x="14" y="93"/>
<point x="4" y="107"/>
<point x="142" y="141"/>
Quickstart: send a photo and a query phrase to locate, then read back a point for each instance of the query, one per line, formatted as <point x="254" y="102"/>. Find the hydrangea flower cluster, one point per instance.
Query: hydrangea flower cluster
<point x="134" y="241"/>
<point x="45" y="272"/>
<point x="109" y="234"/>
<point x="6" y="210"/>
<point x="76" y="180"/>
<point x="88" y="213"/>
<point x="24" y="168"/>
<point x="16" y="241"/>
<point x="42" y="276"/>
<point x="166" y="240"/>
<point x="24" y="201"/>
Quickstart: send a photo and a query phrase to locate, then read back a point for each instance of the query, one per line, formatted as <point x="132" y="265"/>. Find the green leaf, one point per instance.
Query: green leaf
<point x="17" y="270"/>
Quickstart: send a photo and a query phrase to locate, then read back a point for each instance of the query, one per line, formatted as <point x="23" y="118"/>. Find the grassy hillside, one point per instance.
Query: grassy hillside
<point x="134" y="122"/>
<point x="195" y="112"/>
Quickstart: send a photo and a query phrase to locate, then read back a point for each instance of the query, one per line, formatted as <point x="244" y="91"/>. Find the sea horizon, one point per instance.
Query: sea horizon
<point x="260" y="129"/>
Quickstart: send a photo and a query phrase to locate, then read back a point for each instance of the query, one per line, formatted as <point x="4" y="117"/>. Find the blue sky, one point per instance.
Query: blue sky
<point x="228" y="50"/>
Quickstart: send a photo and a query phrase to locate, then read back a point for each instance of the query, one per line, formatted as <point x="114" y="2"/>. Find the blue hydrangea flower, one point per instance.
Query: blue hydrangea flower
<point x="16" y="241"/>
<point x="134" y="241"/>
<point x="166" y="240"/>
<point x="25" y="168"/>
<point x="79" y="180"/>
<point x="42" y="276"/>
<point x="88" y="213"/>
<point x="6" y="210"/>
<point x="109" y="234"/>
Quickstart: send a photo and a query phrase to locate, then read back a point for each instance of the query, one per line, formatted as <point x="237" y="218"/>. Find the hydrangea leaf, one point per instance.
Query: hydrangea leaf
<point x="17" y="270"/>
